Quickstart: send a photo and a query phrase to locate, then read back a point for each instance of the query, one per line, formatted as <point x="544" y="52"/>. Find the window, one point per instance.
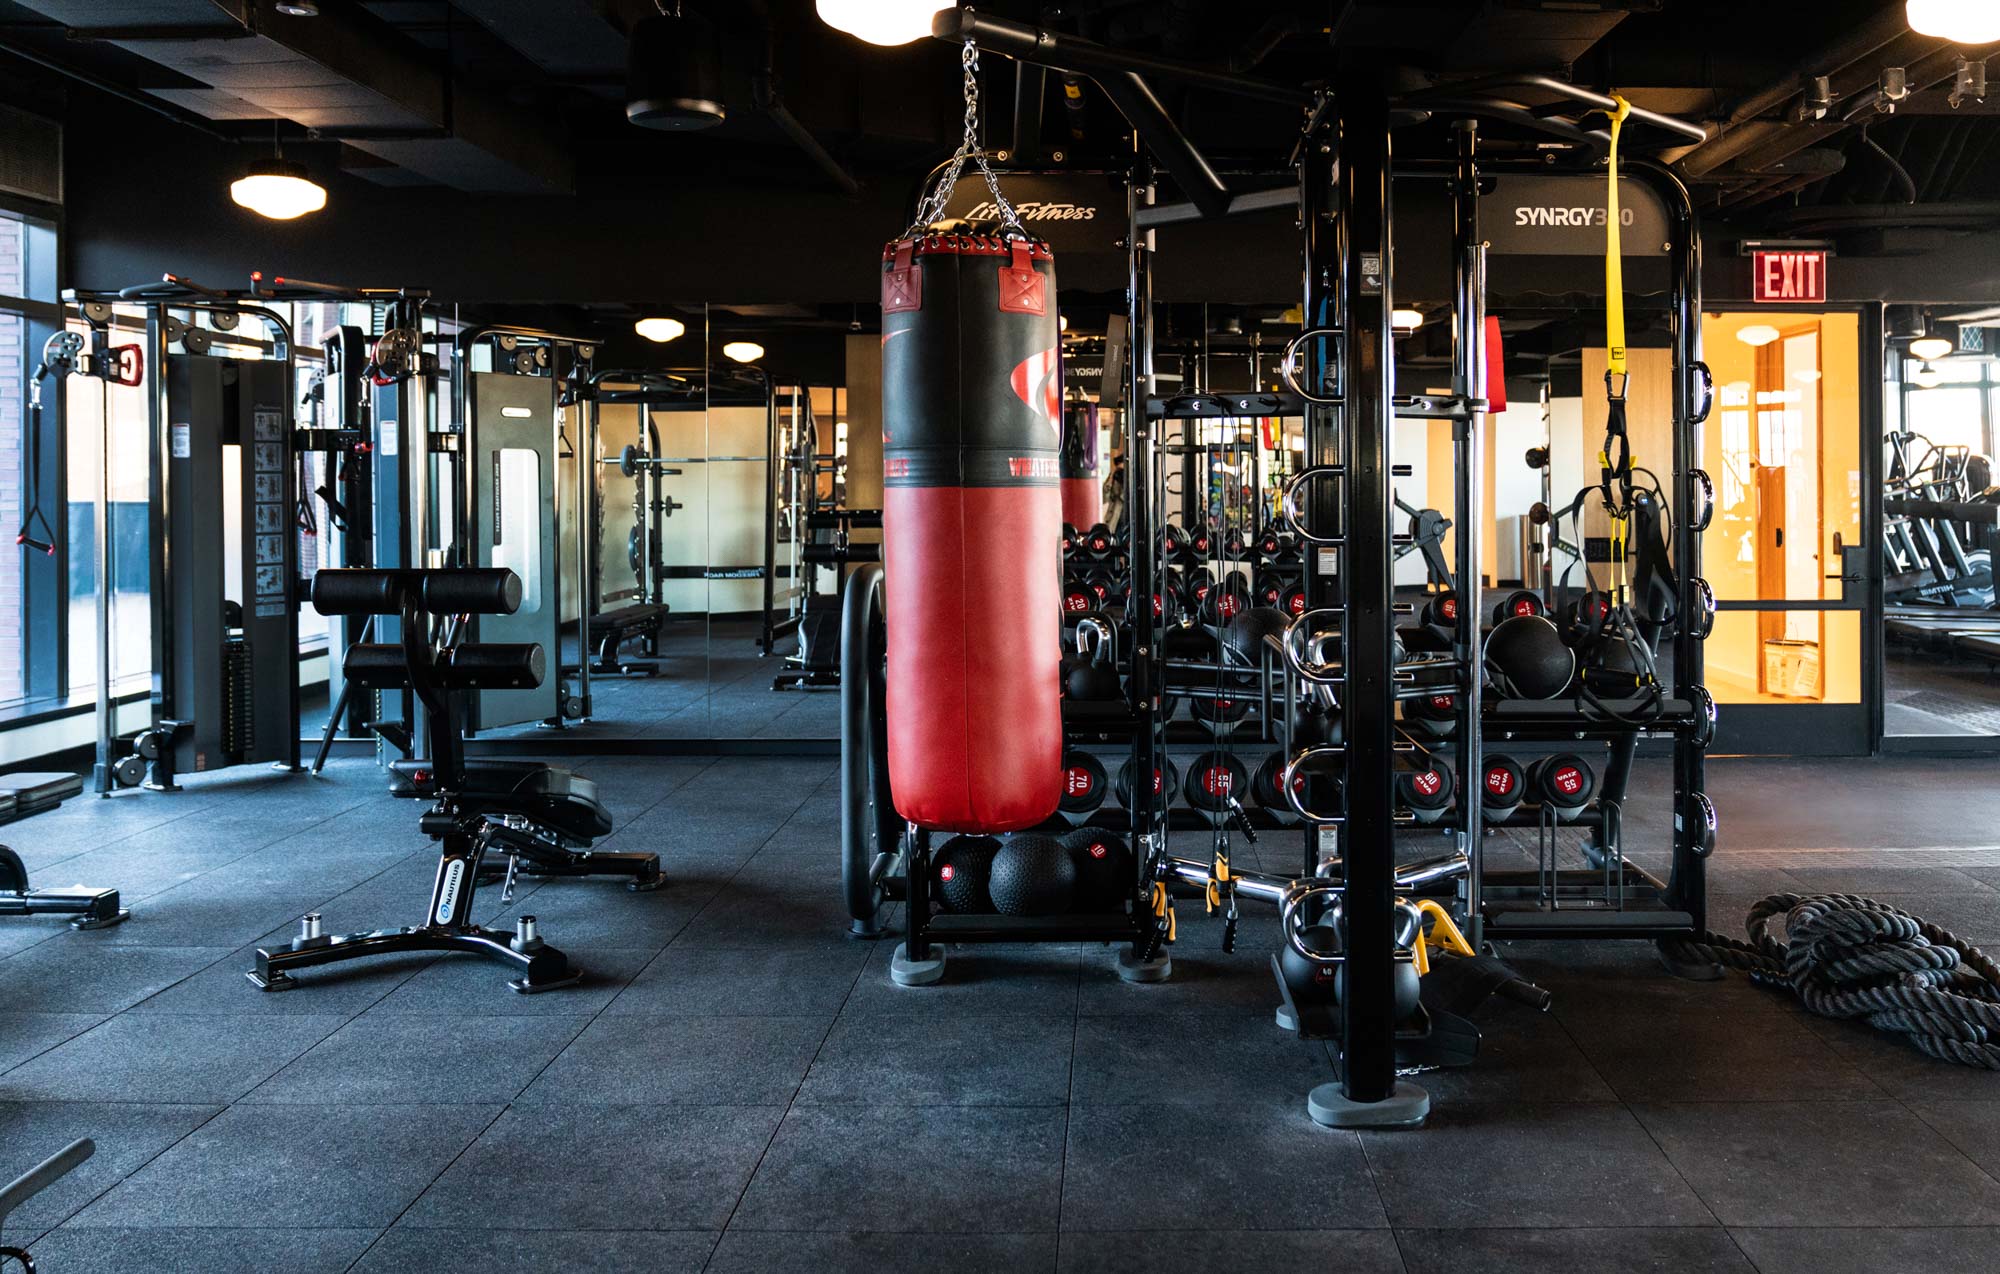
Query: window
<point x="27" y="291"/>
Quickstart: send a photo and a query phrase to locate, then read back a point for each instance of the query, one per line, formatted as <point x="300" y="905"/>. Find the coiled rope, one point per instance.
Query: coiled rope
<point x="1846" y="956"/>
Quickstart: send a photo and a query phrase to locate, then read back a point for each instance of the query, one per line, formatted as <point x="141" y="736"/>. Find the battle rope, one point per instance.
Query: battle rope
<point x="1846" y="956"/>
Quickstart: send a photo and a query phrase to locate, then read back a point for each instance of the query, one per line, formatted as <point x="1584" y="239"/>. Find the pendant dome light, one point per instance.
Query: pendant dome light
<point x="884" y="22"/>
<point x="673" y="75"/>
<point x="1960" y="21"/>
<point x="278" y="189"/>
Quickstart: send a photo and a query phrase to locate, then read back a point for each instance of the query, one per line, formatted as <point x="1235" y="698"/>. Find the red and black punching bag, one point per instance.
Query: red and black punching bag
<point x="972" y="530"/>
<point x="1082" y="489"/>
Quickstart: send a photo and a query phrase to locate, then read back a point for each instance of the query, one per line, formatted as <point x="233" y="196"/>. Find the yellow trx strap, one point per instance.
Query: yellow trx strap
<point x="1614" y="271"/>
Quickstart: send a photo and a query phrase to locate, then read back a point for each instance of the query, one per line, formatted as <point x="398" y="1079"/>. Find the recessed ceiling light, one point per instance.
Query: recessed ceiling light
<point x="659" y="329"/>
<point x="298" y="8"/>
<point x="744" y="351"/>
<point x="884" y="22"/>
<point x="1960" y="21"/>
<point x="1757" y="335"/>
<point x="278" y="190"/>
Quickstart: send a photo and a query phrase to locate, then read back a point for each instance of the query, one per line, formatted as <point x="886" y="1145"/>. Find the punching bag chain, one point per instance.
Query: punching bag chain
<point x="931" y="209"/>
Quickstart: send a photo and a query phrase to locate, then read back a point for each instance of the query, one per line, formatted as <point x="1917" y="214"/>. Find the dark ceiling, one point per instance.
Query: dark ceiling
<point x="526" y="96"/>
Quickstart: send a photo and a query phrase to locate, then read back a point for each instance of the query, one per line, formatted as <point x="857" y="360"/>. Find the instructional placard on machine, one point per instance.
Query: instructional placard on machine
<point x="180" y="442"/>
<point x="270" y="581"/>
<point x="270" y="517"/>
<point x="269" y="425"/>
<point x="271" y="548"/>
<point x="270" y="457"/>
<point x="270" y="488"/>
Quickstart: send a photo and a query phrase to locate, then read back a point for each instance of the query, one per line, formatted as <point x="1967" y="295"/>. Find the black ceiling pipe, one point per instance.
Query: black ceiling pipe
<point x="1187" y="166"/>
<point x="1078" y="56"/>
<point x="773" y="105"/>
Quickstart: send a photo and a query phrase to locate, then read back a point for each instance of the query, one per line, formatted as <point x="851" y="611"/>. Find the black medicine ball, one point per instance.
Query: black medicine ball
<point x="1032" y="876"/>
<point x="960" y="869"/>
<point x="1103" y="866"/>
<point x="1526" y="658"/>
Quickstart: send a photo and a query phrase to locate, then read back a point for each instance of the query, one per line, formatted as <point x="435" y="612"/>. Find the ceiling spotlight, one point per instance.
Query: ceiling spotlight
<point x="744" y="351"/>
<point x="1960" y="21"/>
<point x="884" y="22"/>
<point x="1926" y="376"/>
<point x="673" y="75"/>
<point x="298" y="8"/>
<point x="1757" y="335"/>
<point x="1406" y="321"/>
<point x="659" y="329"/>
<point x="278" y="190"/>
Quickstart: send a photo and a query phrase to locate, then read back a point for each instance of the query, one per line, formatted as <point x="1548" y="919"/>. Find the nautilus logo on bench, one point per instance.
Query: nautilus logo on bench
<point x="454" y="880"/>
<point x="1033" y="210"/>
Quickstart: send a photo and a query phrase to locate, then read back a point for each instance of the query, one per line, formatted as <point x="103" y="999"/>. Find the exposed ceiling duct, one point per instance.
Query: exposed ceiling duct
<point x="343" y="73"/>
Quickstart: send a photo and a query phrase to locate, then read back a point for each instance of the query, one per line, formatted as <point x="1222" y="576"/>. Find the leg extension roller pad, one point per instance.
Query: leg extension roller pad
<point x="907" y="972"/>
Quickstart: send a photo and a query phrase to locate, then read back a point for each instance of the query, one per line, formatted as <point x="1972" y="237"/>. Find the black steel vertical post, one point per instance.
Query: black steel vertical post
<point x="1141" y="533"/>
<point x="1469" y="458"/>
<point x="1690" y="770"/>
<point x="1324" y="245"/>
<point x="1368" y="1002"/>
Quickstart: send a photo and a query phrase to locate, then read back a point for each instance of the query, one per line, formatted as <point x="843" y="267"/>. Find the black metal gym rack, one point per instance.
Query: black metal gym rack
<point x="1341" y="374"/>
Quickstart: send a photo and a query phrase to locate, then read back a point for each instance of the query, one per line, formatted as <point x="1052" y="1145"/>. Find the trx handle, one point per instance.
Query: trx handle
<point x="1614" y="265"/>
<point x="1615" y="459"/>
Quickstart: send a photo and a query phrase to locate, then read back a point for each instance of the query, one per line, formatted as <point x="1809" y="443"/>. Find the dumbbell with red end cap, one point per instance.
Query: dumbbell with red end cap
<point x="1166" y="779"/>
<point x="1085" y="783"/>
<point x="1435" y="714"/>
<point x="1585" y="619"/>
<point x="1098" y="541"/>
<point x="1294" y="601"/>
<point x="1274" y="540"/>
<point x="1519" y="602"/>
<point x="1267" y="784"/>
<point x="1212" y="779"/>
<point x="1078" y="596"/>
<point x="1235" y="543"/>
<point x="1564" y="783"/>
<point x="1502" y="786"/>
<point x="1221" y="714"/>
<point x="1441" y="610"/>
<point x="1173" y="542"/>
<point x="1070" y="536"/>
<point x="1427" y="791"/>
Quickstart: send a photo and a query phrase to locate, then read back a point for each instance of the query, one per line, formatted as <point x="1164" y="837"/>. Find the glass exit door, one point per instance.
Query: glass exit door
<point x="1784" y="552"/>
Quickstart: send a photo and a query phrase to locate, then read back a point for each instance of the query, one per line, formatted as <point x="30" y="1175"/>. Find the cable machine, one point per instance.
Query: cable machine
<point x="225" y="514"/>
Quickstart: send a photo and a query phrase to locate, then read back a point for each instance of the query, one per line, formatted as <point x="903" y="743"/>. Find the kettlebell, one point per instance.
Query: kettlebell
<point x="1094" y="678"/>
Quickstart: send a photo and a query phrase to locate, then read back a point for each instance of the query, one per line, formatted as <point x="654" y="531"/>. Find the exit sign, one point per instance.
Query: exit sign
<point x="1789" y="276"/>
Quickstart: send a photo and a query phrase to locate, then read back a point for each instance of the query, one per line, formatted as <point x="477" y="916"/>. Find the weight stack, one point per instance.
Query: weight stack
<point x="239" y="698"/>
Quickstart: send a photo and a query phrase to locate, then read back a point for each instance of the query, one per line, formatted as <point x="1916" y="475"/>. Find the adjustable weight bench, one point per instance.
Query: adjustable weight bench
<point x="609" y="630"/>
<point x="520" y="809"/>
